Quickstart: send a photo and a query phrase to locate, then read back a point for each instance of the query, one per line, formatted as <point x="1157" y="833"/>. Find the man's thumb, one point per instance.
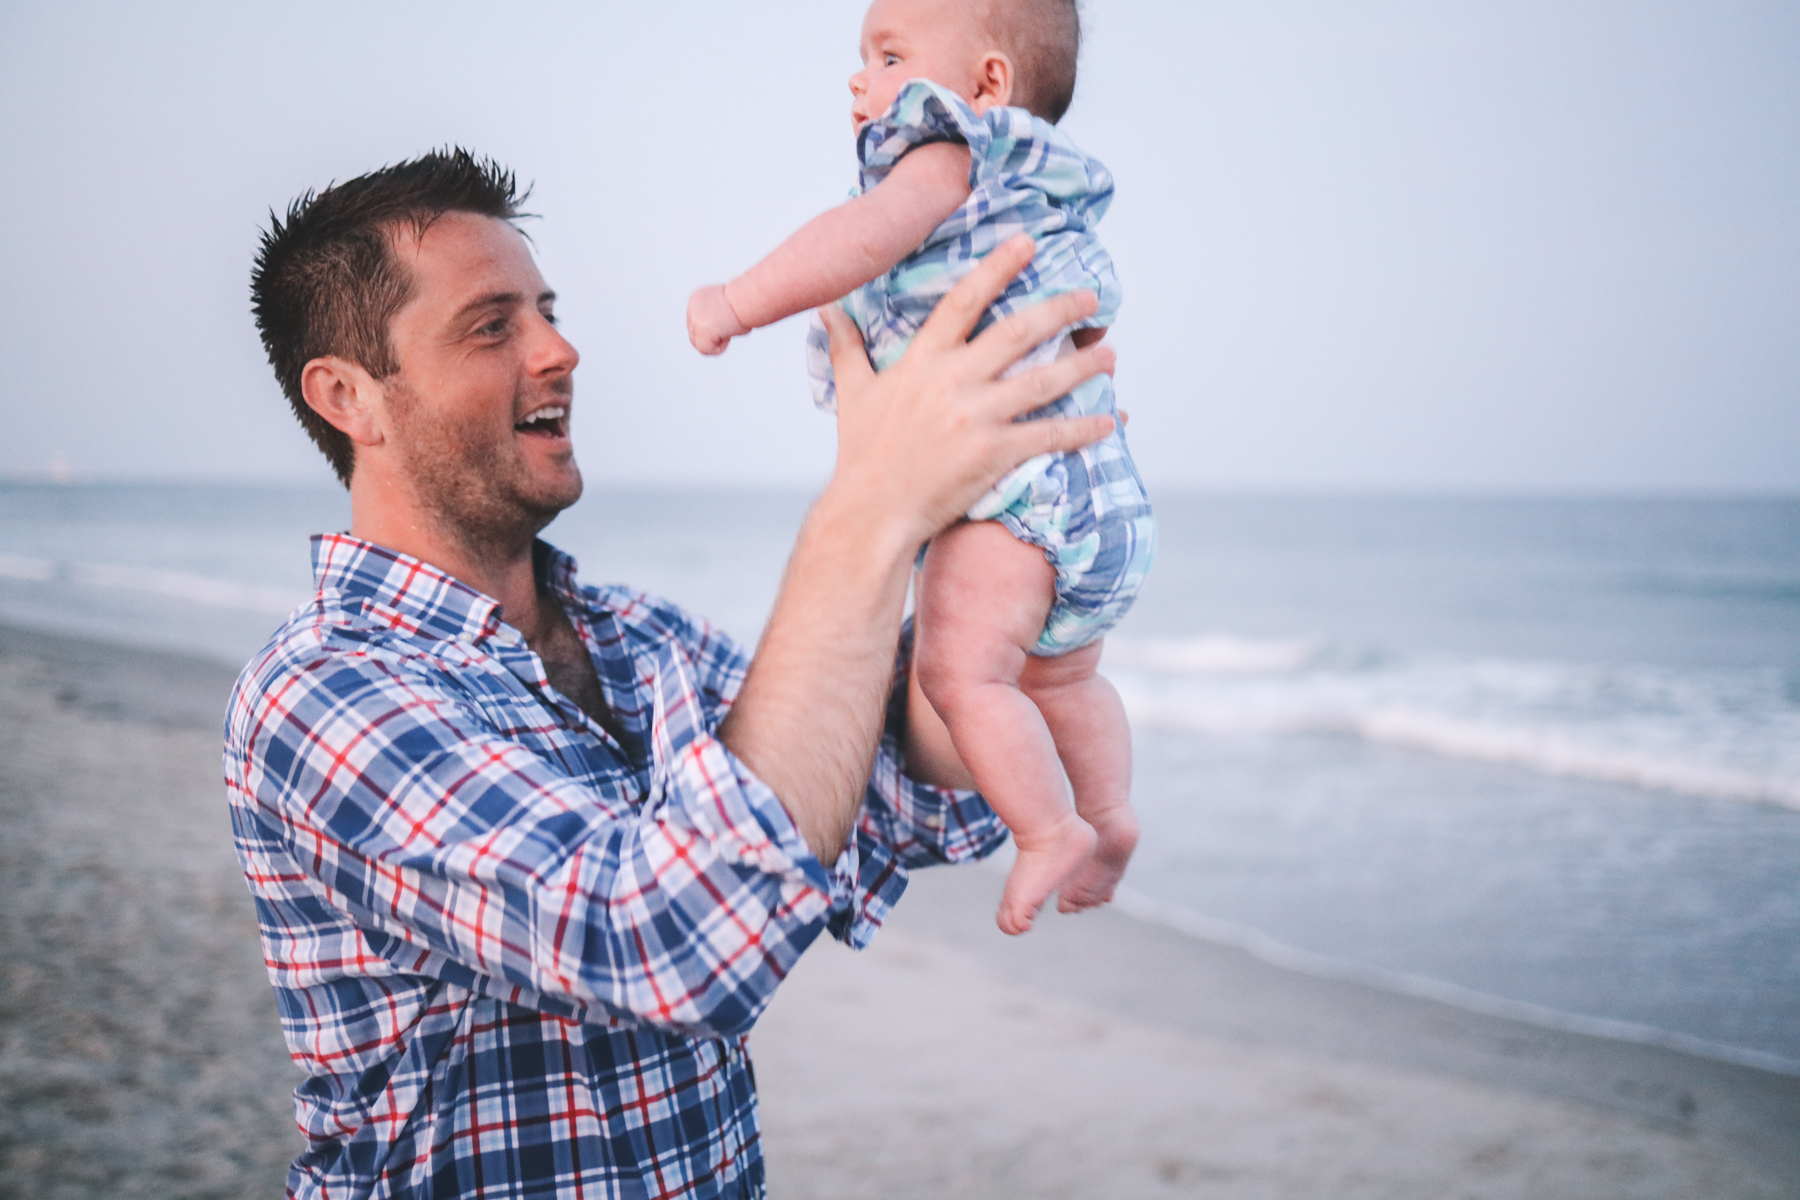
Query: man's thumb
<point x="849" y="359"/>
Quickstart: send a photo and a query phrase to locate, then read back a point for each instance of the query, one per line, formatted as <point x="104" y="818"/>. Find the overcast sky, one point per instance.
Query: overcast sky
<point x="1386" y="245"/>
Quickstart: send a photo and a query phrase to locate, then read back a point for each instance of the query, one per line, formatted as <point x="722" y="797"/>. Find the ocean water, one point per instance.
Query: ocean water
<point x="1535" y="756"/>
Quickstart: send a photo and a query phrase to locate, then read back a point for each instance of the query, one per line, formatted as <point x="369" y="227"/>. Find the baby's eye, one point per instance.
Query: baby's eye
<point x="888" y="60"/>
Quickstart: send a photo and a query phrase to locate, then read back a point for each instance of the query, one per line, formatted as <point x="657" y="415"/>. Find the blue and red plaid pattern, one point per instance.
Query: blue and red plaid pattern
<point x="518" y="956"/>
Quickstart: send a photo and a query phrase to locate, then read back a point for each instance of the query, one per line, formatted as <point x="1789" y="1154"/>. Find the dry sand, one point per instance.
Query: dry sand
<point x="139" y="1050"/>
<point x="1098" y="1057"/>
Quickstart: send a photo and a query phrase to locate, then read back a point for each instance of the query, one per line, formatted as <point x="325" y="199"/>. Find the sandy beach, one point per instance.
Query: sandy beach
<point x="1101" y="1056"/>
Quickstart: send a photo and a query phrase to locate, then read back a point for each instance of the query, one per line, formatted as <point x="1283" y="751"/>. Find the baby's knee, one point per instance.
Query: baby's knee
<point x="942" y="674"/>
<point x="1073" y="669"/>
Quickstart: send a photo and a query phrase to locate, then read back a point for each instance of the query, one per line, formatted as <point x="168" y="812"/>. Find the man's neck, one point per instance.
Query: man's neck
<point x="507" y="573"/>
<point x="499" y="568"/>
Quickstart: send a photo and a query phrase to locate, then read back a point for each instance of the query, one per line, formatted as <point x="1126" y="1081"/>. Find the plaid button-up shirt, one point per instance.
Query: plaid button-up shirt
<point x="516" y="956"/>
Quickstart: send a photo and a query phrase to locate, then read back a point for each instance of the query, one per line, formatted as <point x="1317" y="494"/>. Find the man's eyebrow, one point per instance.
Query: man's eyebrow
<point x="498" y="300"/>
<point x="493" y="300"/>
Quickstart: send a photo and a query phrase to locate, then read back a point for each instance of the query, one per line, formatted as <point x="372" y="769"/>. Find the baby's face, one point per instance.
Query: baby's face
<point x="939" y="40"/>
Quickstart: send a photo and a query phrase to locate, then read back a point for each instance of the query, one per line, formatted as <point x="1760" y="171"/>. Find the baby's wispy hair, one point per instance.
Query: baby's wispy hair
<point x="1043" y="40"/>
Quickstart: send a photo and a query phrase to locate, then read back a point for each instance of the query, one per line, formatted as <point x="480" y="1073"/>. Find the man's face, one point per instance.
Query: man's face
<point x="478" y="412"/>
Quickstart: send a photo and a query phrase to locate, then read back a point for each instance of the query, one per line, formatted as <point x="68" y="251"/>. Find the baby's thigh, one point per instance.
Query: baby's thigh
<point x="983" y="589"/>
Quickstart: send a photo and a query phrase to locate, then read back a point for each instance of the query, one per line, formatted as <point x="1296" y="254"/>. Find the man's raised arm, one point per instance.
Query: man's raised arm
<point x="917" y="445"/>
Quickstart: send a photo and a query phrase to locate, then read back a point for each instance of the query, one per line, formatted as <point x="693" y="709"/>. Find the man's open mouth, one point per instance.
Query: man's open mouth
<point x="552" y="420"/>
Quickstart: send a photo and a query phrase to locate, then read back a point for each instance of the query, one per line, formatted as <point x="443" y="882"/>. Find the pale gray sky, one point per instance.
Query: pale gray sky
<point x="1389" y="245"/>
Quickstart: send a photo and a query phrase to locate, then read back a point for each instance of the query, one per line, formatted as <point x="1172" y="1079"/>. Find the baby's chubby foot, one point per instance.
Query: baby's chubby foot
<point x="1093" y="882"/>
<point x="711" y="320"/>
<point x="1046" y="857"/>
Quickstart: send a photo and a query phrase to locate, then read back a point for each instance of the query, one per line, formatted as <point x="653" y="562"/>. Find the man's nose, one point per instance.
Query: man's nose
<point x="554" y="354"/>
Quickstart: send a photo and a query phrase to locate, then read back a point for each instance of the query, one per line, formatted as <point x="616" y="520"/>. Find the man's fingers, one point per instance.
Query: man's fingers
<point x="1040" y="385"/>
<point x="1009" y="340"/>
<point x="955" y="315"/>
<point x="1032" y="438"/>
<point x="849" y="357"/>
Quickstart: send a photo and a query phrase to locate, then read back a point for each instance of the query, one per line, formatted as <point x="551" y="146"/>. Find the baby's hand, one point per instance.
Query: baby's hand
<point x="711" y="323"/>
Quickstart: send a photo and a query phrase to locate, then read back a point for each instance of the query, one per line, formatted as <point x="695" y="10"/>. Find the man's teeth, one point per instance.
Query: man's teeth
<point x="550" y="413"/>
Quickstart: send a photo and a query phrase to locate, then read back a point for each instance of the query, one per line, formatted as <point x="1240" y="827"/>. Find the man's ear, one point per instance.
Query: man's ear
<point x="993" y="82"/>
<point x="346" y="396"/>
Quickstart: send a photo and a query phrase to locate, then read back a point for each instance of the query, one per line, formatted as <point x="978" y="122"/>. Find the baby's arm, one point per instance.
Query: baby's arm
<point x="838" y="250"/>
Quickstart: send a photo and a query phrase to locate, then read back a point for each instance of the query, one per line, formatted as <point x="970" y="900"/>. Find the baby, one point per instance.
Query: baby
<point x="954" y="111"/>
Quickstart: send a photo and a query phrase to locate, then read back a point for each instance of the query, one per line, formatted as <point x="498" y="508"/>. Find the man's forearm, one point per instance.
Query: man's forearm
<point x="811" y="709"/>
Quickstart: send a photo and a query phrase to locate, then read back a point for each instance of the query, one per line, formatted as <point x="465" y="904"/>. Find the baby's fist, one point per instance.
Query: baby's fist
<point x="711" y="323"/>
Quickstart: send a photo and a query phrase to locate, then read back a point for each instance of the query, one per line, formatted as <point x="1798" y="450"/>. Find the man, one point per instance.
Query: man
<point x="530" y="857"/>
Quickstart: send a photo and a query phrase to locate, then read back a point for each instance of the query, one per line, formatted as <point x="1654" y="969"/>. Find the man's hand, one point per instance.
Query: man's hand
<point x="923" y="440"/>
<point x="917" y="445"/>
<point x="710" y="320"/>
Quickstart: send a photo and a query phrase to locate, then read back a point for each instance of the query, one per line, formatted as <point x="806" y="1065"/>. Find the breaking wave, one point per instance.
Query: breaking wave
<point x="175" y="585"/>
<point x="1729" y="734"/>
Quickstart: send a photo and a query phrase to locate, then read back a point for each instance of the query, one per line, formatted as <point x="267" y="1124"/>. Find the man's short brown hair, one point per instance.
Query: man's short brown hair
<point x="327" y="281"/>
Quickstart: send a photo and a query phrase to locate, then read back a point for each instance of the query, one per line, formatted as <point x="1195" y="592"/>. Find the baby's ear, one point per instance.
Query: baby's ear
<point x="993" y="82"/>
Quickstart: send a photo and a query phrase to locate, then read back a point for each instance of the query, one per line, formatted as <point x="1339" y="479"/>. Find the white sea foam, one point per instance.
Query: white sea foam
<point x="1556" y="753"/>
<point x="177" y="585"/>
<point x="1210" y="654"/>
<point x="38" y="570"/>
<point x="1726" y="734"/>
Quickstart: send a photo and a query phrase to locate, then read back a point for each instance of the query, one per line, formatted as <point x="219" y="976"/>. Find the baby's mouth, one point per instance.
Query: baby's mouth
<point x="552" y="420"/>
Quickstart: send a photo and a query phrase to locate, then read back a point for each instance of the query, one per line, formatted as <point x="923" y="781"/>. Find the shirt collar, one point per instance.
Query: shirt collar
<point x="425" y="599"/>
<point x="556" y="571"/>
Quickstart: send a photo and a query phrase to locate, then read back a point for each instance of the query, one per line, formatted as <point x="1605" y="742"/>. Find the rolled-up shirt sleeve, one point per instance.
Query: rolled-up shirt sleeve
<point x="420" y="839"/>
<point x="903" y="824"/>
<point x="408" y="830"/>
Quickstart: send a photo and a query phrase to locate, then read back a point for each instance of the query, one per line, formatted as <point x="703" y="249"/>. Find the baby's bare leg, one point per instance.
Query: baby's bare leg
<point x="982" y="604"/>
<point x="1093" y="739"/>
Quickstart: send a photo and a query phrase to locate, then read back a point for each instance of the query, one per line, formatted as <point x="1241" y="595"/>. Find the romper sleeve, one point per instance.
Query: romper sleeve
<point x="922" y="113"/>
<point x="1025" y="176"/>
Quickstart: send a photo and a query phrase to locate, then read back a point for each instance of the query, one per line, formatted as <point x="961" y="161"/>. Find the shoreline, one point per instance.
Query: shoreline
<point x="108" y="768"/>
<point x="1281" y="955"/>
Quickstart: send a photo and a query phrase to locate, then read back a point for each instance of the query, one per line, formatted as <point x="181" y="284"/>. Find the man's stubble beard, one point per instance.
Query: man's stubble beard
<point x="479" y="493"/>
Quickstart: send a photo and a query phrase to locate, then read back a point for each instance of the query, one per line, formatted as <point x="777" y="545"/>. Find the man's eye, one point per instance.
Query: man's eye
<point x="551" y="318"/>
<point x="493" y="328"/>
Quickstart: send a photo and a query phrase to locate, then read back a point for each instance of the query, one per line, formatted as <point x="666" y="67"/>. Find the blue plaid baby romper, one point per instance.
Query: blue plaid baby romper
<point x="1086" y="509"/>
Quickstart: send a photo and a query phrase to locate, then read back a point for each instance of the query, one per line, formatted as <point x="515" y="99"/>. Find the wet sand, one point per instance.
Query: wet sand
<point x="1098" y="1057"/>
